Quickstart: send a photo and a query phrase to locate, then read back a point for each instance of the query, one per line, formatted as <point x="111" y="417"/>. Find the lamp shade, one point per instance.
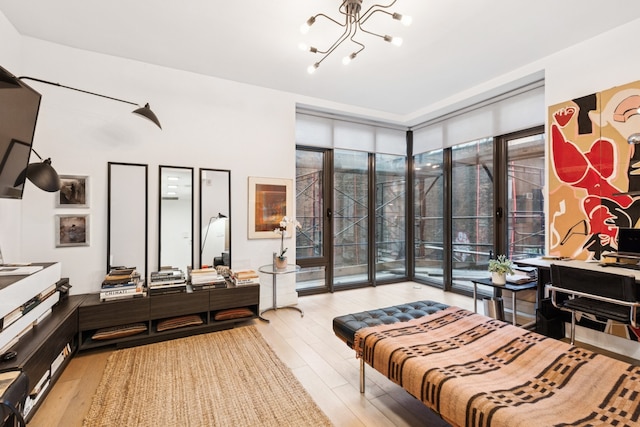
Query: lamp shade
<point x="146" y="112"/>
<point x="44" y="176"/>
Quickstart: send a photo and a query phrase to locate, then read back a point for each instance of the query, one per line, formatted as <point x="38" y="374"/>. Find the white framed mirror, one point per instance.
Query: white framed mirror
<point x="127" y="213"/>
<point x="175" y="244"/>
<point x="215" y="217"/>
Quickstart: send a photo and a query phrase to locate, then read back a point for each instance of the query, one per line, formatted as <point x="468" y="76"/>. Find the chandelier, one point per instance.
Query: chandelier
<point x="353" y="23"/>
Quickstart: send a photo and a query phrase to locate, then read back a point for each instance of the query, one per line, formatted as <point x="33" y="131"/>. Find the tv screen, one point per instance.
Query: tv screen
<point x="19" y="106"/>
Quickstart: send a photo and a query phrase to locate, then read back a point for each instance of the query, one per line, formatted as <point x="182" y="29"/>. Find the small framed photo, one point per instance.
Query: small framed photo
<point x="74" y="192"/>
<point x="72" y="230"/>
<point x="270" y="200"/>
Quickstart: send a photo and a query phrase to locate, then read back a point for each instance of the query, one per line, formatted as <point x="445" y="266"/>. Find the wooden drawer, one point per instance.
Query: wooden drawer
<point x="94" y="314"/>
<point x="240" y="296"/>
<point x="163" y="306"/>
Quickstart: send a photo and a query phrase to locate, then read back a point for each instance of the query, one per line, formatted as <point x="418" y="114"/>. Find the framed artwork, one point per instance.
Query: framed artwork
<point x="74" y="192"/>
<point x="270" y="200"/>
<point x="72" y="230"/>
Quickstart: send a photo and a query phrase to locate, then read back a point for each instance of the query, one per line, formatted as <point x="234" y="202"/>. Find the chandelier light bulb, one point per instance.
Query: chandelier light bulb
<point x="303" y="47"/>
<point x="304" y="28"/>
<point x="312" y="68"/>
<point x="393" y="40"/>
<point x="347" y="59"/>
<point x="404" y="19"/>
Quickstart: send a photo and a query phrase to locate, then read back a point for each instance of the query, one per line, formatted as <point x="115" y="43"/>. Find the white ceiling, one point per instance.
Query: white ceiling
<point x="452" y="45"/>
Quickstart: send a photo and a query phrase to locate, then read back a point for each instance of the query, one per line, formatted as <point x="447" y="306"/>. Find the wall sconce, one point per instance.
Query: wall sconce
<point x="142" y="111"/>
<point x="42" y="174"/>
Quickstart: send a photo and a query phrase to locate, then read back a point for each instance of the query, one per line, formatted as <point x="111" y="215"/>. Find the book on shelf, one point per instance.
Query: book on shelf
<point x="519" y="278"/>
<point x="120" y="293"/>
<point x="11" y="317"/>
<point x="168" y="290"/>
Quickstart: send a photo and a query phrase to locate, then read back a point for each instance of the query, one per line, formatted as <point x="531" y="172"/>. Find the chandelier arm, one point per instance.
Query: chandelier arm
<point x="366" y="17"/>
<point x="369" y="32"/>
<point x="348" y="33"/>
<point x="370" y="11"/>
<point x="330" y="19"/>
<point x="345" y="35"/>
<point x="357" y="42"/>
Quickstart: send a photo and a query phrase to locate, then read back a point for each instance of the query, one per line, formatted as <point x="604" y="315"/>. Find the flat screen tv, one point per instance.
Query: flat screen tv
<point x="19" y="106"/>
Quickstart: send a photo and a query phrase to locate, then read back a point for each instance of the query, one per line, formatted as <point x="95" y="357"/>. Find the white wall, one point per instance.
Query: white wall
<point x="207" y="123"/>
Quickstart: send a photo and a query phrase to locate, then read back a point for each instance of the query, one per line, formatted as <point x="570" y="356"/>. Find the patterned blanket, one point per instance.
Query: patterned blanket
<point x="478" y="371"/>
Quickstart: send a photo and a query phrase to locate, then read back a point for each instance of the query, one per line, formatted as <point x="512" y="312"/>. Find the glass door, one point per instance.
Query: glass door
<point x="524" y="227"/>
<point x="313" y="252"/>
<point x="472" y="219"/>
<point x="350" y="218"/>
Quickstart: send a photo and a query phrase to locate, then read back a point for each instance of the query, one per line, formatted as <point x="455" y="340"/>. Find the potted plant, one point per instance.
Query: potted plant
<point x="279" y="260"/>
<point x="499" y="268"/>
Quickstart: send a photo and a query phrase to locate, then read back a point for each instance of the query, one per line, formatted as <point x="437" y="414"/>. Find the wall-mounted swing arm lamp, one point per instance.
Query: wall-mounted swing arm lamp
<point x="42" y="174"/>
<point x="142" y="111"/>
<point x="353" y="22"/>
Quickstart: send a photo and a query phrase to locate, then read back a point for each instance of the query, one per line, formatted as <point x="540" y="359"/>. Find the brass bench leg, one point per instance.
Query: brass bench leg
<point x="573" y="327"/>
<point x="361" y="375"/>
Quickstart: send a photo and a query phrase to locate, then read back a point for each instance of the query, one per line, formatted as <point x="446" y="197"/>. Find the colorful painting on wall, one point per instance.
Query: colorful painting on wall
<point x="591" y="168"/>
<point x="594" y="179"/>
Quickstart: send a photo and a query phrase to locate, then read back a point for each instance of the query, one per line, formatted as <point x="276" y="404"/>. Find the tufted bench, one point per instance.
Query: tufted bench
<point x="345" y="327"/>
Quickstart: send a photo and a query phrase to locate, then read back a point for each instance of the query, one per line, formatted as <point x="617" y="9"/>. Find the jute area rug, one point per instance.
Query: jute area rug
<point x="226" y="378"/>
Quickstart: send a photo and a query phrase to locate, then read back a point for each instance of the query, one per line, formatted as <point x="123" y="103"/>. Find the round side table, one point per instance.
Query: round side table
<point x="270" y="269"/>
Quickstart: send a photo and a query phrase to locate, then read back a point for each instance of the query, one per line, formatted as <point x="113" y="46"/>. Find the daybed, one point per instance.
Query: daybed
<point x="478" y="371"/>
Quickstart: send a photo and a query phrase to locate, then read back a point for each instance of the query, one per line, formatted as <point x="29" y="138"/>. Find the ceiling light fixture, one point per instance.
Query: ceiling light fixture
<point x="353" y="22"/>
<point x="142" y="111"/>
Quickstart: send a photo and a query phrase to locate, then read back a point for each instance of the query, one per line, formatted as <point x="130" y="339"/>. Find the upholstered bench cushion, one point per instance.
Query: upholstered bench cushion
<point x="345" y="327"/>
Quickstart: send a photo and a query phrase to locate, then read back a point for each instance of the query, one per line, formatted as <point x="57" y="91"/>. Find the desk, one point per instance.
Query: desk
<point x="274" y="272"/>
<point x="544" y="270"/>
<point x="513" y="287"/>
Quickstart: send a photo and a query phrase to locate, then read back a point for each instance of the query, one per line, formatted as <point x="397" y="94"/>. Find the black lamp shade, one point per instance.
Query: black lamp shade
<point x="146" y="112"/>
<point x="44" y="176"/>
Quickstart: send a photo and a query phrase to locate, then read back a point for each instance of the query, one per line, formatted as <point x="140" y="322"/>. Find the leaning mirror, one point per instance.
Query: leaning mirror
<point x="127" y="206"/>
<point x="215" y="217"/>
<point x="175" y="245"/>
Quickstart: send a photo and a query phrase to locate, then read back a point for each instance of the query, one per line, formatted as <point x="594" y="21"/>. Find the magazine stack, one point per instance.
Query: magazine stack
<point x="206" y="278"/>
<point x="167" y="280"/>
<point x="122" y="283"/>
<point x="245" y="277"/>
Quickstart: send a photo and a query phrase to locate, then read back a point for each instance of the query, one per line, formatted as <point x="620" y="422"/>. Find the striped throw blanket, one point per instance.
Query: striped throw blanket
<point x="478" y="371"/>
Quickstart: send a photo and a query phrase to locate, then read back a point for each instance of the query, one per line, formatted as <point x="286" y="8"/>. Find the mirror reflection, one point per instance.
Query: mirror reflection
<point x="215" y="217"/>
<point x="176" y="217"/>
<point x="127" y="216"/>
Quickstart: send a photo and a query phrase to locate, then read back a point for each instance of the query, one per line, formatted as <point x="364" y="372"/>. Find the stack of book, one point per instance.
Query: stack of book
<point x="122" y="283"/>
<point x="206" y="278"/>
<point x="245" y="277"/>
<point x="18" y="312"/>
<point x="167" y="280"/>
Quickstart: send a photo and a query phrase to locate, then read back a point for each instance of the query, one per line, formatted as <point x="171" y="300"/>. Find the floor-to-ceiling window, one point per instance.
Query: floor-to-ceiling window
<point x="525" y="198"/>
<point x="472" y="181"/>
<point x="311" y="212"/>
<point x="350" y="217"/>
<point x="351" y="200"/>
<point x="390" y="216"/>
<point x="429" y="216"/>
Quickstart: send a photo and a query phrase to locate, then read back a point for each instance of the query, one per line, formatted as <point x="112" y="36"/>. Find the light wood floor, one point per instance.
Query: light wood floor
<point x="325" y="365"/>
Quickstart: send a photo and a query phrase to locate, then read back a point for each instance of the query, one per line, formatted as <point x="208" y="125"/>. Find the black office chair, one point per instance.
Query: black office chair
<point x="603" y="294"/>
